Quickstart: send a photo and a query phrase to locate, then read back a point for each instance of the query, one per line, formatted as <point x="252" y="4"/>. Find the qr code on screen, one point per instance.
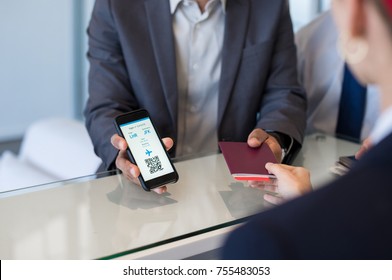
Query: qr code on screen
<point x="154" y="164"/>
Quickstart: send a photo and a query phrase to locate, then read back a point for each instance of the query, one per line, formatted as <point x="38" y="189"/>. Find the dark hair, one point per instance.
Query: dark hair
<point x="385" y="12"/>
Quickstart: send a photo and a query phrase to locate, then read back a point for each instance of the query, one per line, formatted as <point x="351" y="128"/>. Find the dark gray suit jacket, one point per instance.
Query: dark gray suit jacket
<point x="348" y="219"/>
<point x="132" y="65"/>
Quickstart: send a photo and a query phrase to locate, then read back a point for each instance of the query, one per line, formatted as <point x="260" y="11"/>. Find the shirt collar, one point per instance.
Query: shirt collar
<point x="174" y="4"/>
<point x="382" y="128"/>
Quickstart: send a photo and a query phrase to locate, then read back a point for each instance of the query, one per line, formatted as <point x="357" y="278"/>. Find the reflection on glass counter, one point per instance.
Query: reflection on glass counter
<point x="97" y="217"/>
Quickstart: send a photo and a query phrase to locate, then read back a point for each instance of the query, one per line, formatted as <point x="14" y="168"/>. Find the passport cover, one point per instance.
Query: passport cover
<point x="246" y="163"/>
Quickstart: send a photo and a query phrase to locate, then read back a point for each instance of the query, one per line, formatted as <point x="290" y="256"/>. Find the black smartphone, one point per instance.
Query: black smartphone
<point x="146" y="149"/>
<point x="347" y="161"/>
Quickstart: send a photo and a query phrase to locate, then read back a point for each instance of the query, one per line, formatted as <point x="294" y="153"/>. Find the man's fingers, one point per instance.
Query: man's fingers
<point x="122" y="162"/>
<point x="273" y="199"/>
<point x="274" y="168"/>
<point x="257" y="137"/>
<point x="273" y="144"/>
<point x="366" y="145"/>
<point x="263" y="186"/>
<point x="118" y="142"/>
<point x="160" y="190"/>
<point x="168" y="142"/>
<point x="129" y="170"/>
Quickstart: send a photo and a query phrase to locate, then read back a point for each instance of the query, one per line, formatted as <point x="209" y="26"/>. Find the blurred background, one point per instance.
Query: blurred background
<point x="43" y="65"/>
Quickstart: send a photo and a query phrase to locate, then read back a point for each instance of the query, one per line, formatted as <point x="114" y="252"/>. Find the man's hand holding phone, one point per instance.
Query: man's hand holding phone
<point x="130" y="170"/>
<point x="143" y="156"/>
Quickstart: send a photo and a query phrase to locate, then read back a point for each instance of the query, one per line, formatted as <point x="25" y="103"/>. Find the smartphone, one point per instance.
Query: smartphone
<point x="146" y="149"/>
<point x="347" y="161"/>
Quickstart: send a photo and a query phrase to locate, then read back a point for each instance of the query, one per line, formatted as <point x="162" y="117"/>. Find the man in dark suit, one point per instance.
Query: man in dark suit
<point x="351" y="217"/>
<point x="139" y="59"/>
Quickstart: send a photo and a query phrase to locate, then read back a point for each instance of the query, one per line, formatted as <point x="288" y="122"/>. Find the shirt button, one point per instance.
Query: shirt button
<point x="195" y="66"/>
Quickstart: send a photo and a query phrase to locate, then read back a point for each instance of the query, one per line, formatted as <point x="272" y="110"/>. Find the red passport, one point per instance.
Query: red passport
<point x="246" y="163"/>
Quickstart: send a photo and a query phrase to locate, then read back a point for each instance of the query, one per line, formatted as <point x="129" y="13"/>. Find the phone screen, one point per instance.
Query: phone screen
<point x="146" y="148"/>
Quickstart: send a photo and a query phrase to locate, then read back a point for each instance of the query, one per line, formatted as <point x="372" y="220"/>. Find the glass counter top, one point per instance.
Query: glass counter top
<point x="106" y="216"/>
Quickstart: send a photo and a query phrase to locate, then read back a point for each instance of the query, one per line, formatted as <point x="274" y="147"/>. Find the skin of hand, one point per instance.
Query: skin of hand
<point x="130" y="170"/>
<point x="366" y="145"/>
<point x="291" y="182"/>
<point x="259" y="136"/>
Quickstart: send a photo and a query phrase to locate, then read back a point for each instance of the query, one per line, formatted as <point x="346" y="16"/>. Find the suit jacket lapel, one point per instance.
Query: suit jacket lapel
<point x="236" y="24"/>
<point x="161" y="31"/>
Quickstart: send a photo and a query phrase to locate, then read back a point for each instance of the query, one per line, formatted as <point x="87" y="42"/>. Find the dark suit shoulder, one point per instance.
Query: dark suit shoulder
<point x="253" y="241"/>
<point x="348" y="219"/>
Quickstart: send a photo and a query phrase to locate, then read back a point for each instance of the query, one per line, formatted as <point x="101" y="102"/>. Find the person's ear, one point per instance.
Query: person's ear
<point x="352" y="43"/>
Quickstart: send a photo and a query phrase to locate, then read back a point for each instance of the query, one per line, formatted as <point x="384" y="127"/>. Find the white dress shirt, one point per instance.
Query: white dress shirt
<point x="320" y="71"/>
<point x="198" y="43"/>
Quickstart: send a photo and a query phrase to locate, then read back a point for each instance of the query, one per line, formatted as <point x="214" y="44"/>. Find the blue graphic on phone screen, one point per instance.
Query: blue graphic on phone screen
<point x="146" y="148"/>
